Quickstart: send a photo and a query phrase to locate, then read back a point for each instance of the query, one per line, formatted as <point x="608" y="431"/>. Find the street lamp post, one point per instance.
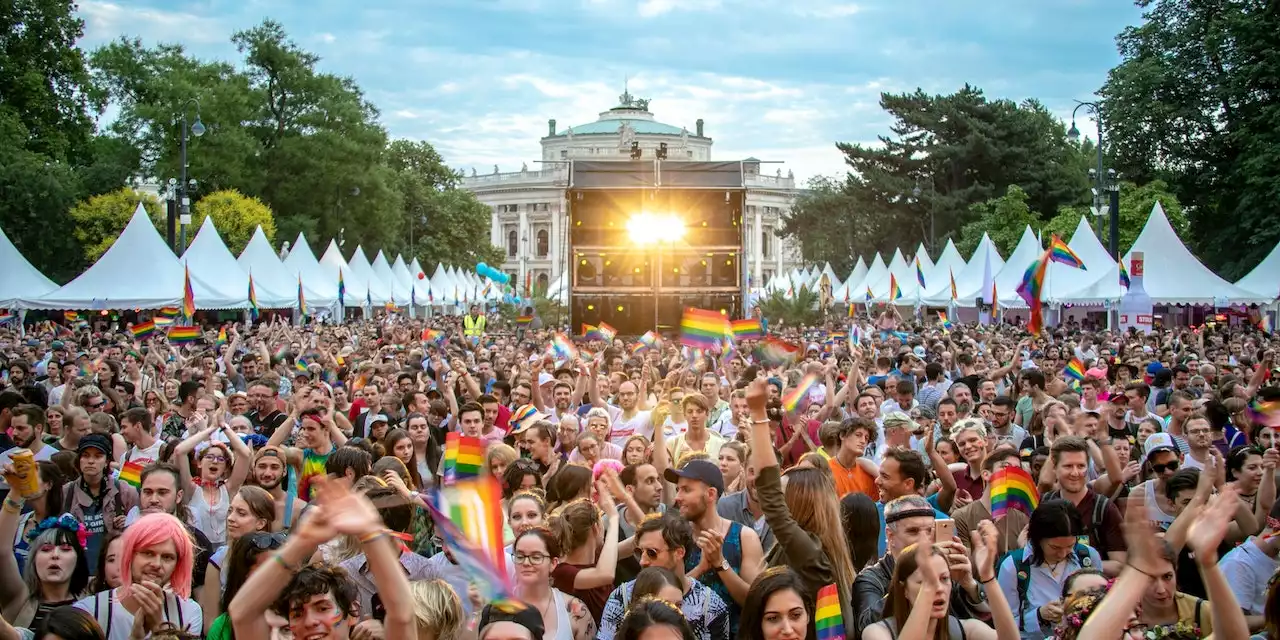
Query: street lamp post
<point x="413" y="222"/>
<point x="1106" y="189"/>
<point x="915" y="192"/>
<point x="184" y="199"/>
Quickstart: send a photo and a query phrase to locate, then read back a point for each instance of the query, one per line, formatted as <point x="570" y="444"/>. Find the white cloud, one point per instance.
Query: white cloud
<point x="824" y="9"/>
<point x="328" y="38"/>
<point x="654" y="8"/>
<point x="106" y="21"/>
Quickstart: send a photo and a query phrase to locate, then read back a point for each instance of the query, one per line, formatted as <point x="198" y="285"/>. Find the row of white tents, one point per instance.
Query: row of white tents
<point x="139" y="271"/>
<point x="1172" y="275"/>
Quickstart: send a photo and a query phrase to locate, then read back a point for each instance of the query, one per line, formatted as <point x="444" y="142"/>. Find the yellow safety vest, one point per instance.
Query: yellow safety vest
<point x="473" y="327"/>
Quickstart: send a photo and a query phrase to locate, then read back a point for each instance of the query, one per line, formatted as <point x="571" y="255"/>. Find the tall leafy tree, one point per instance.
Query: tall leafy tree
<point x="42" y="74"/>
<point x="1136" y="203"/>
<point x="100" y="219"/>
<point x="235" y="216"/>
<point x="1003" y="219"/>
<point x="830" y="224"/>
<point x="1195" y="102"/>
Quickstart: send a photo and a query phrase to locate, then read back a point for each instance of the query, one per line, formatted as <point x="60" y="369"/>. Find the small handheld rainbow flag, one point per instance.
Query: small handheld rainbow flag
<point x="1074" y="370"/>
<point x="254" y="312"/>
<point x="702" y="329"/>
<point x="188" y="295"/>
<point x="608" y="332"/>
<point x="143" y="330"/>
<point x="523" y="320"/>
<point x="1124" y="275"/>
<point x="794" y="396"/>
<point x="1061" y="253"/>
<point x="650" y="339"/>
<point x="468" y="518"/>
<point x="946" y="324"/>
<point x="562" y="347"/>
<point x="1013" y="488"/>
<point x="221" y="340"/>
<point x="895" y="292"/>
<point x="71" y="316"/>
<point x="869" y="296"/>
<point x="592" y="332"/>
<point x="131" y="473"/>
<point x="748" y="329"/>
<point x="302" y="300"/>
<point x="432" y="335"/>
<point x="776" y="352"/>
<point x="829" y="621"/>
<point x="1265" y="413"/>
<point x="7" y="317"/>
<point x="463" y="457"/>
<point x="184" y="334"/>
<point x="919" y="275"/>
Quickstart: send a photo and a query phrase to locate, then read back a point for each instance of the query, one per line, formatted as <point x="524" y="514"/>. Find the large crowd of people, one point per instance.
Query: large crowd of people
<point x="273" y="480"/>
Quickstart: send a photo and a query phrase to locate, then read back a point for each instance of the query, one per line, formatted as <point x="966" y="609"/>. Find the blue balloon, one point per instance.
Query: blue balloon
<point x="481" y="268"/>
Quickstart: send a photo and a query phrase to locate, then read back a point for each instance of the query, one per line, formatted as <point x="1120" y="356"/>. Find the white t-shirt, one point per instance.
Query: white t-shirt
<point x="117" y="622"/>
<point x="641" y="423"/>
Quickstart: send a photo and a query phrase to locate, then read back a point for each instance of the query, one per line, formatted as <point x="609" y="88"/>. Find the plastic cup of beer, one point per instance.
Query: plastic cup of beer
<point x="26" y="474"/>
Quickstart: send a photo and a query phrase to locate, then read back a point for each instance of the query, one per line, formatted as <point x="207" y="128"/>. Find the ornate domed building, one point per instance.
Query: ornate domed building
<point x="529" y="206"/>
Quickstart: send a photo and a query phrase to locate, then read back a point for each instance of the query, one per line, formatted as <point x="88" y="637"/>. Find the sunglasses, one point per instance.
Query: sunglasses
<point x="1161" y="468"/>
<point x="652" y="553"/>
<point x="266" y="540"/>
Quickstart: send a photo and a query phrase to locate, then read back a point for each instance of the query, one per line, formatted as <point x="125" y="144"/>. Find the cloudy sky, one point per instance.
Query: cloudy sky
<point x="778" y="80"/>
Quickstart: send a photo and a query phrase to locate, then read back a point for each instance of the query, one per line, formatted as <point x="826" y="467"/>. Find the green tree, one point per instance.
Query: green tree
<point x="949" y="152"/>
<point x="236" y="217"/>
<point x="35" y="196"/>
<point x="1004" y="219"/>
<point x="1195" y="102"/>
<point x="1136" y="204"/>
<point x="99" y="220"/>
<point x="830" y="225"/>
<point x="799" y="309"/>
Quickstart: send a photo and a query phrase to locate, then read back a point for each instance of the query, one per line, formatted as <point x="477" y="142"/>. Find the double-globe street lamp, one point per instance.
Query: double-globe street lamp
<point x="1106" y="189"/>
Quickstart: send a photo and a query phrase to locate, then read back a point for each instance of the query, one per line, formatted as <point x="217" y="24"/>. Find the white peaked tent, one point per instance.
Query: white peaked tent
<point x="969" y="281"/>
<point x="844" y="292"/>
<point x="1173" y="276"/>
<point x="356" y="284"/>
<point x="1009" y="278"/>
<point x="875" y="273"/>
<point x="20" y="280"/>
<point x="905" y="275"/>
<point x="209" y="259"/>
<point x="937" y="281"/>
<point x="398" y="292"/>
<point x="440" y="286"/>
<point x="359" y="263"/>
<point x="272" y="282"/>
<point x="400" y="271"/>
<point x="319" y="286"/>
<point x="1265" y="278"/>
<point x="138" y="272"/>
<point x="1060" y="279"/>
<point x="422" y="288"/>
<point x="926" y="264"/>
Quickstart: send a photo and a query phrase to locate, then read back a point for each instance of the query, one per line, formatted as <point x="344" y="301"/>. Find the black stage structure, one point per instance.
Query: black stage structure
<point x="634" y="285"/>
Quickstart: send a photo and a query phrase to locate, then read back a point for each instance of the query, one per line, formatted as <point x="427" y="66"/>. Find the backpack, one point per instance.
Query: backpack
<point x="1099" y="512"/>
<point x="1022" y="570"/>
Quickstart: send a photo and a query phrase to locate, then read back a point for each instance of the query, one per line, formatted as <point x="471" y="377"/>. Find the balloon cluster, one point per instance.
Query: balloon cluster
<point x="504" y="279"/>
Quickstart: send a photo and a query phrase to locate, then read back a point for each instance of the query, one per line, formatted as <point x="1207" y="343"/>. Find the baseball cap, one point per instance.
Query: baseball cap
<point x="545" y="378"/>
<point x="94" y="441"/>
<point x="380" y="417"/>
<point x="703" y="471"/>
<point x="1157" y="443"/>
<point x="528" y="617"/>
<point x="57" y="345"/>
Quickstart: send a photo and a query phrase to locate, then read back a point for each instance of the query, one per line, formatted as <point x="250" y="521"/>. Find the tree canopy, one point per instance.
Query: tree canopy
<point x="235" y="216"/>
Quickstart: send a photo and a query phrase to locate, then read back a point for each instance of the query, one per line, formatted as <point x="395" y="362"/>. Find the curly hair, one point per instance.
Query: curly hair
<point x="318" y="579"/>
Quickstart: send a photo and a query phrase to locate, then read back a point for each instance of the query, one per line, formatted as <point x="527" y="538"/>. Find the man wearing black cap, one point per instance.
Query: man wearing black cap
<point x="97" y="499"/>
<point x="499" y="624"/>
<point x="727" y="555"/>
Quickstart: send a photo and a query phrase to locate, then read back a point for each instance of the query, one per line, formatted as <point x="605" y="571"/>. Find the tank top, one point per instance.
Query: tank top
<point x="211" y="519"/>
<point x="564" y="626"/>
<point x="955" y="628"/>
<point x="1153" y="505"/>
<point x="732" y="552"/>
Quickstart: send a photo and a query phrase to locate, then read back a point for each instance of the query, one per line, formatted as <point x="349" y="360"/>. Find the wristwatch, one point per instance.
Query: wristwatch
<point x="724" y="566"/>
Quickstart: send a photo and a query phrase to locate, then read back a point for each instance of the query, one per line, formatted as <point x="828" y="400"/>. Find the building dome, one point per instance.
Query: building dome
<point x="632" y="112"/>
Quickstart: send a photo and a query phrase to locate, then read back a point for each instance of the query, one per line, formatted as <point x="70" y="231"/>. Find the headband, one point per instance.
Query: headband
<point x="918" y="512"/>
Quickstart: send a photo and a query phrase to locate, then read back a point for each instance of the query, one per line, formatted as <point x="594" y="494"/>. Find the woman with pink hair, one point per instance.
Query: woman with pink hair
<point x="157" y="555"/>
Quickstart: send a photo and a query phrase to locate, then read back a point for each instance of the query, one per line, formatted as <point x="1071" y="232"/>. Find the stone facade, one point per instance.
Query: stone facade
<point x="529" y="207"/>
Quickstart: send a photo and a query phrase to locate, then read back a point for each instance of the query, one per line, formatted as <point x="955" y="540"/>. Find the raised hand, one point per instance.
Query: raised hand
<point x="1206" y="533"/>
<point x="757" y="397"/>
<point x="986" y="542"/>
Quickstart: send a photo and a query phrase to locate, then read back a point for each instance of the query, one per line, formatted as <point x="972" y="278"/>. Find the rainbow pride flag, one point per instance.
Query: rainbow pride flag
<point x="748" y="329"/>
<point x="143" y="330"/>
<point x="1124" y="275"/>
<point x="794" y="396"/>
<point x="302" y="300"/>
<point x="184" y="334"/>
<point x="592" y="332"/>
<point x="1013" y="488"/>
<point x="650" y="339"/>
<point x="1062" y="254"/>
<point x="253" y="300"/>
<point x="71" y="316"/>
<point x="702" y="329"/>
<point x="608" y="332"/>
<point x="829" y="621"/>
<point x="775" y="352"/>
<point x="131" y="473"/>
<point x="1030" y="290"/>
<point x="221" y="340"/>
<point x="919" y="275"/>
<point x="953" y="285"/>
<point x="463" y="457"/>
<point x="562" y="347"/>
<point x="432" y="335"/>
<point x="895" y="292"/>
<point x="947" y="327"/>
<point x="1074" y="370"/>
<point x="524" y="320"/>
<point x="188" y="295"/>
<point x="342" y="287"/>
<point x="468" y="518"/>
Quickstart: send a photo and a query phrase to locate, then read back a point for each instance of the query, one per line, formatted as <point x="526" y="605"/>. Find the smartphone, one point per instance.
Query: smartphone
<point x="944" y="530"/>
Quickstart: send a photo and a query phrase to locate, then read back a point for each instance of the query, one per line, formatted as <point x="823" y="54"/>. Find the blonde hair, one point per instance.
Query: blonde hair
<point x="811" y="499"/>
<point x="437" y="609"/>
<point x="499" y="452"/>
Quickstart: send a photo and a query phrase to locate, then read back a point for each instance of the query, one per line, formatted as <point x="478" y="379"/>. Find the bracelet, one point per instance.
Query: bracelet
<point x="370" y="537"/>
<point x="1135" y="568"/>
<point x="10" y="505"/>
<point x="992" y="579"/>
<point x="765" y="421"/>
<point x="279" y="559"/>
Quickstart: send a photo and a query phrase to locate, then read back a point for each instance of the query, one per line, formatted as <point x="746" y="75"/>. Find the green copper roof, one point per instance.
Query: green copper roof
<point x="611" y="126"/>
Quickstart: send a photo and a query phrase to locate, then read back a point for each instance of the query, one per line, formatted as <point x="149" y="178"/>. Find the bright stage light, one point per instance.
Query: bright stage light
<point x="653" y="228"/>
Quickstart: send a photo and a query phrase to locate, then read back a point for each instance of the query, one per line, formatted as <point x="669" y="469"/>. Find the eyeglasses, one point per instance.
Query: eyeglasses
<point x="1172" y="465"/>
<point x="215" y="457"/>
<point x="533" y="559"/>
<point x="652" y="553"/>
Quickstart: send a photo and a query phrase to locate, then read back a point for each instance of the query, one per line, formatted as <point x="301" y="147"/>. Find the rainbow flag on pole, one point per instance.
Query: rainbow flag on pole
<point x="608" y="332"/>
<point x="748" y="329"/>
<point x="1124" y="275"/>
<point x="463" y="457"/>
<point x="184" y="334"/>
<point x="143" y="330"/>
<point x="342" y="288"/>
<point x="468" y="518"/>
<point x="253" y="300"/>
<point x="776" y="352"/>
<point x="1061" y="253"/>
<point x="188" y="295"/>
<point x="953" y="285"/>
<point x="895" y="292"/>
<point x="1013" y="488"/>
<point x="1074" y="370"/>
<point x="919" y="275"/>
<point x="829" y="621"/>
<point x="794" y="396"/>
<point x="302" y="300"/>
<point x="1031" y="288"/>
<point x="702" y="329"/>
<point x="221" y="340"/>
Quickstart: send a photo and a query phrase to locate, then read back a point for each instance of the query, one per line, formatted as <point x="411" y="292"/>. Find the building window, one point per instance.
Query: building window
<point x="543" y="283"/>
<point x="513" y="243"/>
<point x="766" y="244"/>
<point x="508" y="208"/>
<point x="544" y="239"/>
